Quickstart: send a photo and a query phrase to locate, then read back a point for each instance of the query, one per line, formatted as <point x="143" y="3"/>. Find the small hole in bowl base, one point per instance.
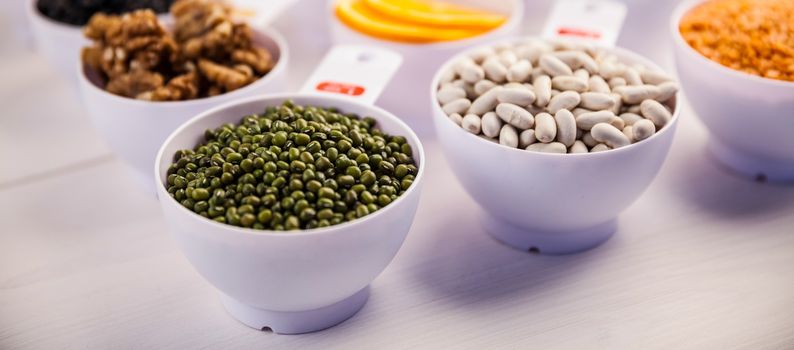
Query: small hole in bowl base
<point x="760" y="178"/>
<point x="295" y="322"/>
<point x="548" y="242"/>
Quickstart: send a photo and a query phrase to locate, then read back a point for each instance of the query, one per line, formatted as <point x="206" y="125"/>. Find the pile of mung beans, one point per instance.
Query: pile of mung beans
<point x="293" y="167"/>
<point x="555" y="97"/>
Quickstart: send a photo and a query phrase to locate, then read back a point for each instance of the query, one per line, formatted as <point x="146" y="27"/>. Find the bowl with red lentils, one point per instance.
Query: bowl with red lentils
<point x="735" y="62"/>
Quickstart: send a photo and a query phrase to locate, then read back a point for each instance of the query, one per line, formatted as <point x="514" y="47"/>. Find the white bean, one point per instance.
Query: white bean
<point x="457" y="83"/>
<point x="553" y="147"/>
<point x="599" y="148"/>
<point x="643" y="129"/>
<point x="597" y="84"/>
<point x="634" y="94"/>
<point x="456" y="118"/>
<point x="629" y="132"/>
<point x="545" y="128"/>
<point x="618" y="102"/>
<point x="635" y="109"/>
<point x="666" y="91"/>
<point x="519" y="71"/>
<point x="630" y="118"/>
<point x="582" y="73"/>
<point x="471" y="72"/>
<point x="518" y="96"/>
<point x="609" y="135"/>
<point x="654" y="78"/>
<point x="479" y="55"/>
<point x="579" y="111"/>
<point x="632" y="76"/>
<point x="553" y="66"/>
<point x="458" y="106"/>
<point x="494" y="70"/>
<point x="589" y="64"/>
<point x="526" y="138"/>
<point x="515" y="115"/>
<point x="491" y="124"/>
<point x="588" y="140"/>
<point x="449" y="94"/>
<point x="447" y="76"/>
<point x="483" y="86"/>
<point x="471" y="123"/>
<point x="542" y="86"/>
<point x="570" y="57"/>
<point x="508" y="57"/>
<point x="486" y="102"/>
<point x="586" y="121"/>
<point x="610" y="70"/>
<point x="596" y="101"/>
<point x="537" y="72"/>
<point x="530" y="52"/>
<point x="578" y="147"/>
<point x="470" y="93"/>
<point x="569" y="83"/>
<point x="616" y="81"/>
<point x="655" y="112"/>
<point x="566" y="127"/>
<point x="508" y="136"/>
<point x="564" y="100"/>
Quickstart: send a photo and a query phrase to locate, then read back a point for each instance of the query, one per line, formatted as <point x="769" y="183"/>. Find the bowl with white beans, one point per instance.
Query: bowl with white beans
<point x="553" y="139"/>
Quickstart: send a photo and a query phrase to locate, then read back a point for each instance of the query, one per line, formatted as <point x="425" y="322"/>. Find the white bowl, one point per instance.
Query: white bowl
<point x="750" y="118"/>
<point x="59" y="43"/>
<point x="551" y="203"/>
<point x="290" y="282"/>
<point x="16" y="13"/>
<point x="406" y="95"/>
<point x="135" y="129"/>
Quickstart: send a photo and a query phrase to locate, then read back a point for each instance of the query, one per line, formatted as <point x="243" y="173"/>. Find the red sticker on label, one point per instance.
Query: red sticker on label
<point x="578" y="32"/>
<point x="340" y="88"/>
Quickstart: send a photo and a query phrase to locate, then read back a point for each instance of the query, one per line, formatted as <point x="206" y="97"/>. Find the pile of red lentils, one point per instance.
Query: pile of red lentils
<point x="753" y="36"/>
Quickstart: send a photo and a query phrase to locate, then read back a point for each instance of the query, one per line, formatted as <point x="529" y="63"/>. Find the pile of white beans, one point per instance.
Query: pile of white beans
<point x="555" y="97"/>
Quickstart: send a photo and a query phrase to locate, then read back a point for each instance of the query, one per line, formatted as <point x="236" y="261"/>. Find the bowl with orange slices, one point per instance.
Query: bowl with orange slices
<point x="426" y="33"/>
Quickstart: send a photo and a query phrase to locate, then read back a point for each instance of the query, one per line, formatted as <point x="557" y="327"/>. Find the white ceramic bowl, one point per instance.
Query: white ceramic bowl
<point x="751" y="119"/>
<point x="290" y="282"/>
<point x="135" y="129"/>
<point x="551" y="203"/>
<point x="59" y="43"/>
<point x="406" y="95"/>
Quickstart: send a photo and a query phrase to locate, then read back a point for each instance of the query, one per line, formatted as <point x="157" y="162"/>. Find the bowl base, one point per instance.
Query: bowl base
<point x="752" y="166"/>
<point x="547" y="242"/>
<point x="296" y="322"/>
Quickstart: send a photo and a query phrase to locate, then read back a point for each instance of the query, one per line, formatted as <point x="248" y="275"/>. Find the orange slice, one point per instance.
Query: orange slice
<point x="435" y="13"/>
<point x="357" y="15"/>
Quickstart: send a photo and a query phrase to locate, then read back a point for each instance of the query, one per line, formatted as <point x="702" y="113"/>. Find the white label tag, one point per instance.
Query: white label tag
<point x="359" y="72"/>
<point x="589" y="20"/>
<point x="259" y="13"/>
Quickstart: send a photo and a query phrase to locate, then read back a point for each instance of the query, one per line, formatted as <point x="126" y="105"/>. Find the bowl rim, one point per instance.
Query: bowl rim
<point x="514" y="20"/>
<point x="281" y="64"/>
<point x="323" y="99"/>
<point x="33" y="12"/>
<point x="621" y="52"/>
<point x="684" y="8"/>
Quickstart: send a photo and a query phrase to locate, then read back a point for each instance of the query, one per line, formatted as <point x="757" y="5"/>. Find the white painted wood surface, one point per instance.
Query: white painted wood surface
<point x="704" y="260"/>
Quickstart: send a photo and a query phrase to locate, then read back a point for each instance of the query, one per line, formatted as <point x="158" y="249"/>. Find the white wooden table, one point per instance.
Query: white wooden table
<point x="704" y="260"/>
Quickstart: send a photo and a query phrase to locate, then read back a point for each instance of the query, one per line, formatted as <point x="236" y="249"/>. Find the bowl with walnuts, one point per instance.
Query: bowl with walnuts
<point x="141" y="78"/>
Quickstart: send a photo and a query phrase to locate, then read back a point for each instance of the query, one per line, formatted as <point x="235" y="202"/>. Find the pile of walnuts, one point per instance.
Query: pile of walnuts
<point x="206" y="53"/>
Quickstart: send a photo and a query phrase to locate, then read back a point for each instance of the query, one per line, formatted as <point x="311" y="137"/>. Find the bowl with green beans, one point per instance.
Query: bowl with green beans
<point x="290" y="205"/>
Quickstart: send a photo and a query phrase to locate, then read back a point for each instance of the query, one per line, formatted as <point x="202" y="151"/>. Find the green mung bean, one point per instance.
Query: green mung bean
<point x="291" y="168"/>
